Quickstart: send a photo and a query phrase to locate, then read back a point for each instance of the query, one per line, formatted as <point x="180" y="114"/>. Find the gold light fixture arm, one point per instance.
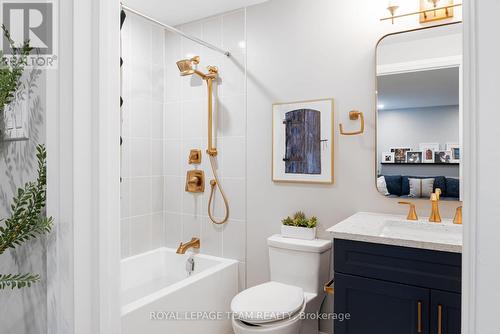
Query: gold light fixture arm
<point x="354" y="115"/>
<point x="424" y="12"/>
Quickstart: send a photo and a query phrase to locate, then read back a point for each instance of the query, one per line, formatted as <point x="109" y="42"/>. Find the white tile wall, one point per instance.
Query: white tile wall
<point x="164" y="117"/>
<point x="185" y="128"/>
<point x="143" y="173"/>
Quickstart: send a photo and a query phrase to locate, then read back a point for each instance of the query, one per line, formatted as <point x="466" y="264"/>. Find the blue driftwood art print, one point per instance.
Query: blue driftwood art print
<point x="303" y="142"/>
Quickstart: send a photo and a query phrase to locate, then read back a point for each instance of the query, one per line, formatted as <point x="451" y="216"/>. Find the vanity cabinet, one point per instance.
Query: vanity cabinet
<point x="396" y="290"/>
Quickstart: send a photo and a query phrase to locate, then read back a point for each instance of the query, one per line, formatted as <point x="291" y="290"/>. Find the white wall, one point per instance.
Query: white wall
<point x="186" y="128"/>
<point x="486" y="71"/>
<point x="24" y="311"/>
<point x="410" y="127"/>
<point x="301" y="50"/>
<point x="142" y="206"/>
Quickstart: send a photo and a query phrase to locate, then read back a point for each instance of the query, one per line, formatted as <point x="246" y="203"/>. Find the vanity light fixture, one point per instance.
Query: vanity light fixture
<point x="392" y="7"/>
<point x="430" y="10"/>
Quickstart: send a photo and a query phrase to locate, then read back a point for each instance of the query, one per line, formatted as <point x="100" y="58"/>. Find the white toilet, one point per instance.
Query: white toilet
<point x="299" y="268"/>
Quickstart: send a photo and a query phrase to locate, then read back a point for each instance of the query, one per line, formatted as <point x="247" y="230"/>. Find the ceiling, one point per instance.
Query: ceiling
<point x="419" y="89"/>
<point x="175" y="12"/>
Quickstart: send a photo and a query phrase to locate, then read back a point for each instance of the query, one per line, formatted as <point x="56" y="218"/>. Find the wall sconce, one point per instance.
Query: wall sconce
<point x="430" y="10"/>
<point x="392" y="7"/>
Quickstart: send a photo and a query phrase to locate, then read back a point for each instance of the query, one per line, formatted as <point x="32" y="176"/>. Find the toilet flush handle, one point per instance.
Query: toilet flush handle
<point x="328" y="287"/>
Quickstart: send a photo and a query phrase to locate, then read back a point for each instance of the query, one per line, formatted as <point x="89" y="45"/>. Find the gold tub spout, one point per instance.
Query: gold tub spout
<point x="194" y="243"/>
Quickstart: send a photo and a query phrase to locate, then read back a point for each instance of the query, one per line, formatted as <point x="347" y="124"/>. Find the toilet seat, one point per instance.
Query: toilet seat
<point x="267" y="303"/>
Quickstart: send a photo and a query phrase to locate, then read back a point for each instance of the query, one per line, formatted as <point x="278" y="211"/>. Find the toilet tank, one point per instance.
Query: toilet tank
<point x="302" y="263"/>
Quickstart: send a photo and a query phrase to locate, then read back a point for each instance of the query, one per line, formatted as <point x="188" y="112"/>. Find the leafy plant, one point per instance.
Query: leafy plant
<point x="12" y="69"/>
<point x="300" y="220"/>
<point x="27" y="221"/>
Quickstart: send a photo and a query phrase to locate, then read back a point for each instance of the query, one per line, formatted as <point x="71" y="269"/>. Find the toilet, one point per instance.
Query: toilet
<point x="284" y="305"/>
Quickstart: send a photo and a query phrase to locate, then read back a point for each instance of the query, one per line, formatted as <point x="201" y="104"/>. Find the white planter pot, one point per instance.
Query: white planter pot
<point x="298" y="232"/>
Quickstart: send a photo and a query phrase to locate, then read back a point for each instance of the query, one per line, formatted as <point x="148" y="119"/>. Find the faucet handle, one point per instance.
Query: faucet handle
<point x="412" y="214"/>
<point x="438" y="193"/>
<point x="458" y="216"/>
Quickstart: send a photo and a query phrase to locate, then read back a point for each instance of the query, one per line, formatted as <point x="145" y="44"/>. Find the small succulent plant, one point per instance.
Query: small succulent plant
<point x="300" y="220"/>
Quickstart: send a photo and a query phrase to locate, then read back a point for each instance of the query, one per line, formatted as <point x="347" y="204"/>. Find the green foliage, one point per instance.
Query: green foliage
<point x="27" y="220"/>
<point x="18" y="281"/>
<point x="300" y="220"/>
<point x="11" y="69"/>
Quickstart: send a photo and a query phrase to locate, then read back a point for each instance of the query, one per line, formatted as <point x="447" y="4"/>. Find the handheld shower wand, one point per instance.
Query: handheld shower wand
<point x="187" y="67"/>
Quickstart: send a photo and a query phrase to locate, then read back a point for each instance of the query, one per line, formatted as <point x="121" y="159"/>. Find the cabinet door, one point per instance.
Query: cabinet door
<point x="380" y="307"/>
<point x="445" y="312"/>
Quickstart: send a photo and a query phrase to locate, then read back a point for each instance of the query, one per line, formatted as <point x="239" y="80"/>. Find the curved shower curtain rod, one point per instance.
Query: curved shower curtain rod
<point x="177" y="31"/>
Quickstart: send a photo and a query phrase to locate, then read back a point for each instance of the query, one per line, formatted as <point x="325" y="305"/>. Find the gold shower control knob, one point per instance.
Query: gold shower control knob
<point x="195" y="181"/>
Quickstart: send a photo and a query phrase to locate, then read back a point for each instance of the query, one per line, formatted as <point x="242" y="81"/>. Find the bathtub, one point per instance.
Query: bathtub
<point x="158" y="296"/>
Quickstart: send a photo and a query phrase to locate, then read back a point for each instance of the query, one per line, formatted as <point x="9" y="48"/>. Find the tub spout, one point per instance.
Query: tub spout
<point x="194" y="243"/>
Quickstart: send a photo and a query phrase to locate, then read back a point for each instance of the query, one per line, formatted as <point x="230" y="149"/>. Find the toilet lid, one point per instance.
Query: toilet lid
<point x="267" y="302"/>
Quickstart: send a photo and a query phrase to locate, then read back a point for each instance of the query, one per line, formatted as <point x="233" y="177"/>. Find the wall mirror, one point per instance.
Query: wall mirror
<point x="419" y="113"/>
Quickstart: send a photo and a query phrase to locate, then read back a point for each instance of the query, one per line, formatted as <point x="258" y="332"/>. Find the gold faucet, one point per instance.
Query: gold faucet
<point x="194" y="243"/>
<point x="458" y="216"/>
<point x="435" y="216"/>
<point x="412" y="214"/>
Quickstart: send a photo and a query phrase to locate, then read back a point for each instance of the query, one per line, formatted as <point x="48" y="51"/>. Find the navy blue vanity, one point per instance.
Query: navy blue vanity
<point x="390" y="289"/>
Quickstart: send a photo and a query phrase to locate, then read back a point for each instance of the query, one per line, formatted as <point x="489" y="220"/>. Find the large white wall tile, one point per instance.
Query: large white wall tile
<point x="140" y="234"/>
<point x="140" y="199"/>
<point x="233" y="155"/>
<point x="157" y="230"/>
<point x="140" y="150"/>
<point x="172" y="120"/>
<point x="173" y="229"/>
<point x="157" y="189"/>
<point x="234" y="236"/>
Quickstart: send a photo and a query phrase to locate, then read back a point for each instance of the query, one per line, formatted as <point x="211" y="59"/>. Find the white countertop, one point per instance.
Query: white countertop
<point x="396" y="230"/>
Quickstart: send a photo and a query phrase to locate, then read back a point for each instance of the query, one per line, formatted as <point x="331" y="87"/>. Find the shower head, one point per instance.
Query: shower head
<point x="187" y="66"/>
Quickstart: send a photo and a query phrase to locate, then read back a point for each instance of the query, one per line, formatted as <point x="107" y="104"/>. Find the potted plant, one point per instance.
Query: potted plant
<point x="299" y="227"/>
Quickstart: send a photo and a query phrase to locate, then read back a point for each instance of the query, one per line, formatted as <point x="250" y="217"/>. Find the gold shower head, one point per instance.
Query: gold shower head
<point x="186" y="66"/>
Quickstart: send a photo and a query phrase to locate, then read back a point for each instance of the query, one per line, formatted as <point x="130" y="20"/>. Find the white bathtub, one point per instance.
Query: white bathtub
<point x="155" y="290"/>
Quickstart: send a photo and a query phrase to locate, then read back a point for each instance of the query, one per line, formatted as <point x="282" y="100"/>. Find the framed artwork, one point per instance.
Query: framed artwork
<point x="455" y="153"/>
<point x="303" y="142"/>
<point x="442" y="157"/>
<point x="400" y="154"/>
<point x="428" y="156"/>
<point x="413" y="157"/>
<point x="388" y="157"/>
<point x="424" y="146"/>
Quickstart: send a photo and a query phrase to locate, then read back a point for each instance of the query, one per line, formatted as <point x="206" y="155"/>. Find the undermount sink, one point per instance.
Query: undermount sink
<point x="422" y="229"/>
<point x="396" y="230"/>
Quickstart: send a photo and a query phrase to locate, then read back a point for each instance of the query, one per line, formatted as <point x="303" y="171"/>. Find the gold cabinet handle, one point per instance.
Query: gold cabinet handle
<point x="354" y="115"/>
<point x="328" y="288"/>
<point x="440" y="319"/>
<point x="419" y="317"/>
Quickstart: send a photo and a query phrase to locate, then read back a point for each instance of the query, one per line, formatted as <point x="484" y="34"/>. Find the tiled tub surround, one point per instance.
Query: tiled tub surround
<point x="156" y="282"/>
<point x="165" y="116"/>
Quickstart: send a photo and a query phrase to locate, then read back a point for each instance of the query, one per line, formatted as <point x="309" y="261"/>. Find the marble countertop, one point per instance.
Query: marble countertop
<point x="396" y="230"/>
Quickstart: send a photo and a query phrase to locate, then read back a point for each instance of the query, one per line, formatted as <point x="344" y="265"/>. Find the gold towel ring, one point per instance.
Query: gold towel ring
<point x="354" y="115"/>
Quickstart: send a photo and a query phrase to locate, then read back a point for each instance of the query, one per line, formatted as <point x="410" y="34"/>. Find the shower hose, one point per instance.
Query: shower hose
<point x="213" y="184"/>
